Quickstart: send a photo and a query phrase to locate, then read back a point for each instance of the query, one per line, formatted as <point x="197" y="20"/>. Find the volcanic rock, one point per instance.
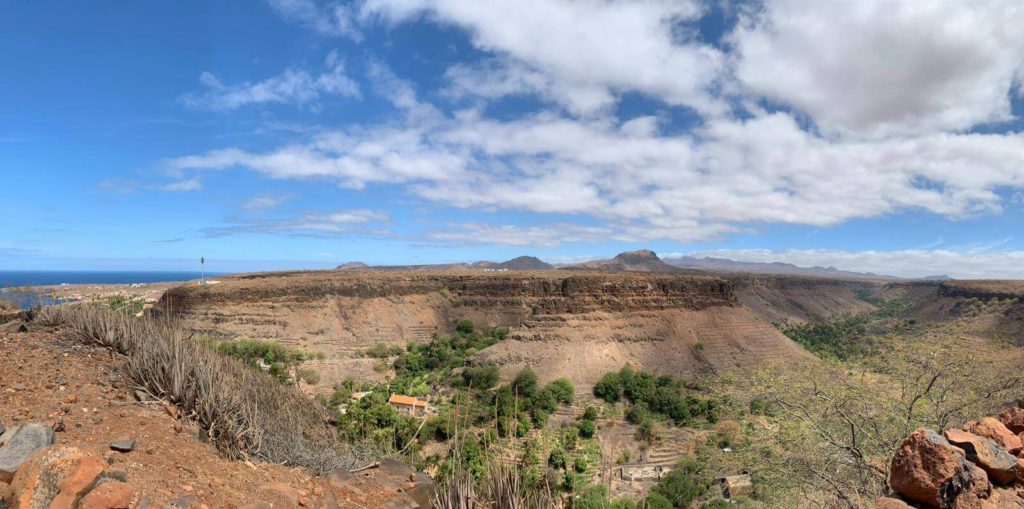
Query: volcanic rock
<point x="998" y="432"/>
<point x="1000" y="465"/>
<point x="1013" y="418"/>
<point x="928" y="469"/>
<point x="19" y="443"/>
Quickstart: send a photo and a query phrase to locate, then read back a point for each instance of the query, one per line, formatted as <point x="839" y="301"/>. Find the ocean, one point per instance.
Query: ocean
<point x="11" y="279"/>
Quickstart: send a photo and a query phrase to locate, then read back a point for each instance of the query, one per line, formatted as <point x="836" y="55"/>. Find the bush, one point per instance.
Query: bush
<point x="682" y="485"/>
<point x="563" y="390"/>
<point x="557" y="459"/>
<point x="464" y="327"/>
<point x="244" y="412"/>
<point x="593" y="497"/>
<point x="525" y="383"/>
<point x="590" y="414"/>
<point x="580" y="464"/>
<point x="483" y="377"/>
<point x="588" y="429"/>
<point x="657" y="501"/>
<point x="383" y="351"/>
<point x="609" y="387"/>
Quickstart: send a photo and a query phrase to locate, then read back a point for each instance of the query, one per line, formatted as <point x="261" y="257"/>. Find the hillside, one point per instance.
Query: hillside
<point x="631" y="261"/>
<point x="574" y="323"/>
<point x="776" y="268"/>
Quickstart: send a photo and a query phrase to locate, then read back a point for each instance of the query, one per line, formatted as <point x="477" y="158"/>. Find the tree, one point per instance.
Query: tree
<point x="563" y="390"/>
<point x="483" y="377"/>
<point x="464" y="326"/>
<point x="525" y="383"/>
<point x="609" y="387"/>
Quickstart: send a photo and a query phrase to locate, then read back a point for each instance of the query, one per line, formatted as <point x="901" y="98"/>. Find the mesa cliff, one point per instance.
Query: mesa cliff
<point x="562" y="323"/>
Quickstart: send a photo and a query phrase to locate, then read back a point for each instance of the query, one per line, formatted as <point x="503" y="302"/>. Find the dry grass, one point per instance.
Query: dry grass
<point x="246" y="413"/>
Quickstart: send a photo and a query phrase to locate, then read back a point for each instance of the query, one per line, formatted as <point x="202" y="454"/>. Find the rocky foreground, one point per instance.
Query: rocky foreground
<point x="980" y="465"/>
<point x="73" y="435"/>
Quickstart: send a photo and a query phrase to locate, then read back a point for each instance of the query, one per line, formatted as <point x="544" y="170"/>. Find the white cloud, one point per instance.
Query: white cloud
<point x="586" y="50"/>
<point x="292" y="86"/>
<point x="192" y="184"/>
<point x="332" y="19"/>
<point x="727" y="177"/>
<point x="877" y="67"/>
<point x="350" y="221"/>
<point x="909" y="263"/>
<point x="265" y="202"/>
<point x="551" y="235"/>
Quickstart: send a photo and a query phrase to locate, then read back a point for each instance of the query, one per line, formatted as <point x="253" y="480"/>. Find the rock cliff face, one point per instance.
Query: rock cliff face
<point x="562" y="323"/>
<point x="801" y="299"/>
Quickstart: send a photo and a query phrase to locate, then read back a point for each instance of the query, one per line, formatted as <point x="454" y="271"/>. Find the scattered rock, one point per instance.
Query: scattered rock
<point x="19" y="444"/>
<point x="13" y="327"/>
<point x="109" y="495"/>
<point x="141" y="395"/>
<point x="2" y="428"/>
<point x="172" y="411"/>
<point x="993" y="429"/>
<point x="123" y="445"/>
<point x="928" y="469"/>
<point x="1000" y="465"/>
<point x="1013" y="418"/>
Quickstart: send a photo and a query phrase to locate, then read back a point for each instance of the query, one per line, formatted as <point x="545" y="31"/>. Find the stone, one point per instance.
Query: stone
<point x="123" y="445"/>
<point x="13" y="327"/>
<point x="890" y="503"/>
<point x="19" y="444"/>
<point x="279" y="492"/>
<point x="1013" y="419"/>
<point x="1000" y="465"/>
<point x="109" y="495"/>
<point x="76" y="484"/>
<point x="928" y="469"/>
<point x="993" y="429"/>
<point x="39" y="480"/>
<point x="2" y="428"/>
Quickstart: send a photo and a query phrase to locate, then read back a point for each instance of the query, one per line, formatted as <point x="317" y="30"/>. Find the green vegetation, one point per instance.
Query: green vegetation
<point x="654" y="397"/>
<point x="383" y="351"/>
<point x="281" y="362"/>
<point x="126" y="304"/>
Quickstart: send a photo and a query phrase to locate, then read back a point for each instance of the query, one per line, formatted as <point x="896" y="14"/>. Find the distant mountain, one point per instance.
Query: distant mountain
<point x="352" y="265"/>
<point x="943" y="277"/>
<point x="631" y="261"/>
<point x="726" y="265"/>
<point x="518" y="263"/>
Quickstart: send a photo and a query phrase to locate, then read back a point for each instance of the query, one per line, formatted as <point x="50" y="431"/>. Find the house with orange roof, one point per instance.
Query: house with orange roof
<point x="408" y="405"/>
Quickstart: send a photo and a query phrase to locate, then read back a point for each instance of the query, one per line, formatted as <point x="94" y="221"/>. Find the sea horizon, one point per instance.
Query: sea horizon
<point x="21" y="278"/>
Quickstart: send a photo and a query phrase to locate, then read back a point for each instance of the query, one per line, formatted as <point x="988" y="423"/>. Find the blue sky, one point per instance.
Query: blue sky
<point x="293" y="133"/>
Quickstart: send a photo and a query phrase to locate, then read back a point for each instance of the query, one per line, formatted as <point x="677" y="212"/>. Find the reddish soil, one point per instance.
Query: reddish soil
<point x="78" y="389"/>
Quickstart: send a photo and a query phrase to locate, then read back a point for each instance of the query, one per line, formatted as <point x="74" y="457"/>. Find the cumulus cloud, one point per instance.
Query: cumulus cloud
<point x="589" y="50"/>
<point x="891" y="93"/>
<point x="293" y="86"/>
<point x="720" y="179"/>
<point x="331" y="19"/>
<point x="342" y="222"/>
<point x="877" y="68"/>
<point x="909" y="263"/>
<point x="192" y="184"/>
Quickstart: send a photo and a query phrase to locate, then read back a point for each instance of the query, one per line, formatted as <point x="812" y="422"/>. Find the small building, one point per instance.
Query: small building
<point x="408" y="405"/>
<point x="642" y="472"/>
<point x="739" y="485"/>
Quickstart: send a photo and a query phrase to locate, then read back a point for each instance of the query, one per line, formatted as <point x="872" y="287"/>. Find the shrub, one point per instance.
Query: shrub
<point x="464" y="326"/>
<point x="657" y="501"/>
<point x="557" y="459"/>
<point x="590" y="414"/>
<point x="525" y="383"/>
<point x="483" y="377"/>
<point x="383" y="351"/>
<point x="580" y="464"/>
<point x="563" y="390"/>
<point x="588" y="429"/>
<point x="245" y="413"/>
<point x="609" y="387"/>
